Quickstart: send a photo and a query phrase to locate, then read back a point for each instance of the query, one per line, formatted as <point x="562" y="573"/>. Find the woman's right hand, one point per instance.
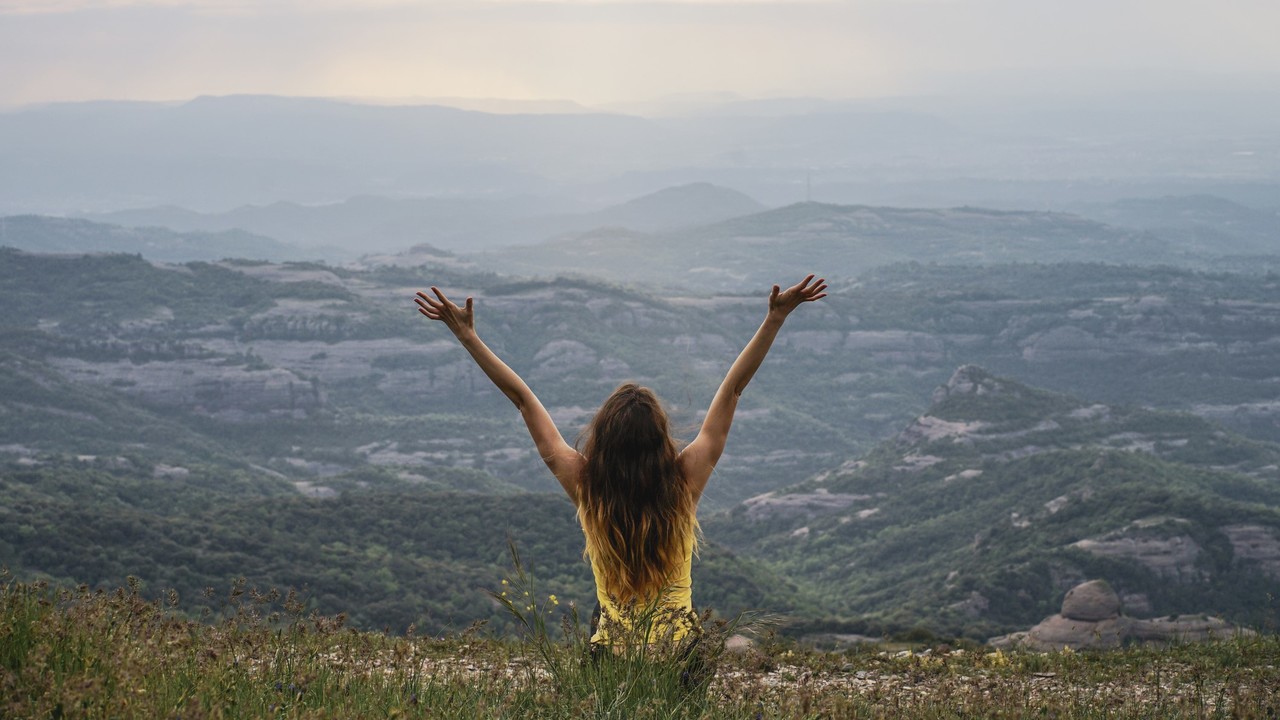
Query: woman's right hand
<point x="782" y="302"/>
<point x="460" y="320"/>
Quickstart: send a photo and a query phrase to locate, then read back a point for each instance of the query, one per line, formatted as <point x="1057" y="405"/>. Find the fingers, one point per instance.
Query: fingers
<point x="425" y="309"/>
<point x="429" y="306"/>
<point x="805" y="288"/>
<point x="427" y="301"/>
<point x="801" y="288"/>
<point x="439" y="294"/>
<point x="441" y="308"/>
<point x="809" y="291"/>
<point x="432" y="307"/>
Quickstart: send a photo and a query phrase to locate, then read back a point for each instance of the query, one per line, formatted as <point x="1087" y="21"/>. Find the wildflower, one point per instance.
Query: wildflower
<point x="504" y="581"/>
<point x="997" y="659"/>
<point x="553" y="599"/>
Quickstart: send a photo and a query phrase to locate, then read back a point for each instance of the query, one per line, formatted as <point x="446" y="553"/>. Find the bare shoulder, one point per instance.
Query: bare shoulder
<point x="567" y="466"/>
<point x="696" y="468"/>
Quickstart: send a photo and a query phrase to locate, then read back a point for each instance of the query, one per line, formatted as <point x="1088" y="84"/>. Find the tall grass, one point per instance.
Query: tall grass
<point x="643" y="674"/>
<point x="94" y="654"/>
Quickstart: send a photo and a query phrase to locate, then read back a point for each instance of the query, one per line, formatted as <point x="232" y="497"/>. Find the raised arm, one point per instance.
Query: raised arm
<point x="699" y="458"/>
<point x="563" y="461"/>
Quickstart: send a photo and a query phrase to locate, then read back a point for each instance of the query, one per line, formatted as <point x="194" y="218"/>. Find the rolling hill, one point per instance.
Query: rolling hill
<point x="841" y="240"/>
<point x="360" y="225"/>
<point x="36" y="233"/>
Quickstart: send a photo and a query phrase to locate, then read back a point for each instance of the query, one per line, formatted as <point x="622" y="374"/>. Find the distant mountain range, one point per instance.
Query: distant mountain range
<point x="697" y="234"/>
<point x="1200" y="223"/>
<point x="215" y="153"/>
<point x="847" y="240"/>
<point x="379" y="224"/>
<point x="67" y="235"/>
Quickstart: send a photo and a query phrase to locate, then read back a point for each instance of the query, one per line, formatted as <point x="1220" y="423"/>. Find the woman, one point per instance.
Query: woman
<point x="636" y="492"/>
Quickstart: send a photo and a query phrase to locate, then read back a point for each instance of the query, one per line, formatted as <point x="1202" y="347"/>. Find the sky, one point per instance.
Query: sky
<point x="610" y="51"/>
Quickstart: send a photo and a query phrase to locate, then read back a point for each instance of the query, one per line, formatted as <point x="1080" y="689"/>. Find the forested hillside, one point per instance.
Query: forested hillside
<point x="386" y="553"/>
<point x="982" y="512"/>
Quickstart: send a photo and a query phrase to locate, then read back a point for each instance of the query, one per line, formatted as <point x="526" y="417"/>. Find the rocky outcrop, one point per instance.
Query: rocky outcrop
<point x="1168" y="555"/>
<point x="1067" y="343"/>
<point x="771" y="505"/>
<point x="1090" y="619"/>
<point x="337" y="362"/>
<point x="898" y="346"/>
<point x="204" y="386"/>
<point x="1256" y="544"/>
<point x="928" y="428"/>
<point x="560" y="358"/>
<point x="967" y="380"/>
<point x="1057" y="632"/>
<point x="1182" y="628"/>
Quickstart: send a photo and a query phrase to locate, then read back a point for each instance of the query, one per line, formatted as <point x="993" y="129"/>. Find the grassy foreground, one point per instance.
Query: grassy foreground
<point x="94" y="654"/>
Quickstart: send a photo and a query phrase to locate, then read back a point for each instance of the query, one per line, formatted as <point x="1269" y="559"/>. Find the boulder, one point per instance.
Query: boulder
<point x="1058" y="632"/>
<point x="1093" y="600"/>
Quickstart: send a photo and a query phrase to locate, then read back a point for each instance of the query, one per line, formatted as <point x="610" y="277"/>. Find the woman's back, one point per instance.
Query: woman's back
<point x="635" y="508"/>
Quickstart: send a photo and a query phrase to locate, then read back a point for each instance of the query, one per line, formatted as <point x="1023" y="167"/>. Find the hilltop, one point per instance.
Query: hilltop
<point x="36" y="233"/>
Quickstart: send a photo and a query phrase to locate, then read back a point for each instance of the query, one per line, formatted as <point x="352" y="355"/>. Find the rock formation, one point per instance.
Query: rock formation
<point x="1090" y="619"/>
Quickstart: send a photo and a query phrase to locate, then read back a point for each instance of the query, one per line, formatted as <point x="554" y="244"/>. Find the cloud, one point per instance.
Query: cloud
<point x="46" y="7"/>
<point x="611" y="50"/>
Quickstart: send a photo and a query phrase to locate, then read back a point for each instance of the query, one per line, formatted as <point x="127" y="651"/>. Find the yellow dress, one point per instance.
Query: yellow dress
<point x="673" y="616"/>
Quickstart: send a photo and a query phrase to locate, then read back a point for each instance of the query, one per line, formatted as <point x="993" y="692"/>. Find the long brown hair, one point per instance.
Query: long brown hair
<point x="636" y="510"/>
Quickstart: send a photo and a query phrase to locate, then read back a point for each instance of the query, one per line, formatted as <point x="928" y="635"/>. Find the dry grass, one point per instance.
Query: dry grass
<point x="92" y="654"/>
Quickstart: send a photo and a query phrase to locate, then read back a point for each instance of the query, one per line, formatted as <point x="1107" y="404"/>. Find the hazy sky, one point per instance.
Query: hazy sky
<point x="598" y="51"/>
